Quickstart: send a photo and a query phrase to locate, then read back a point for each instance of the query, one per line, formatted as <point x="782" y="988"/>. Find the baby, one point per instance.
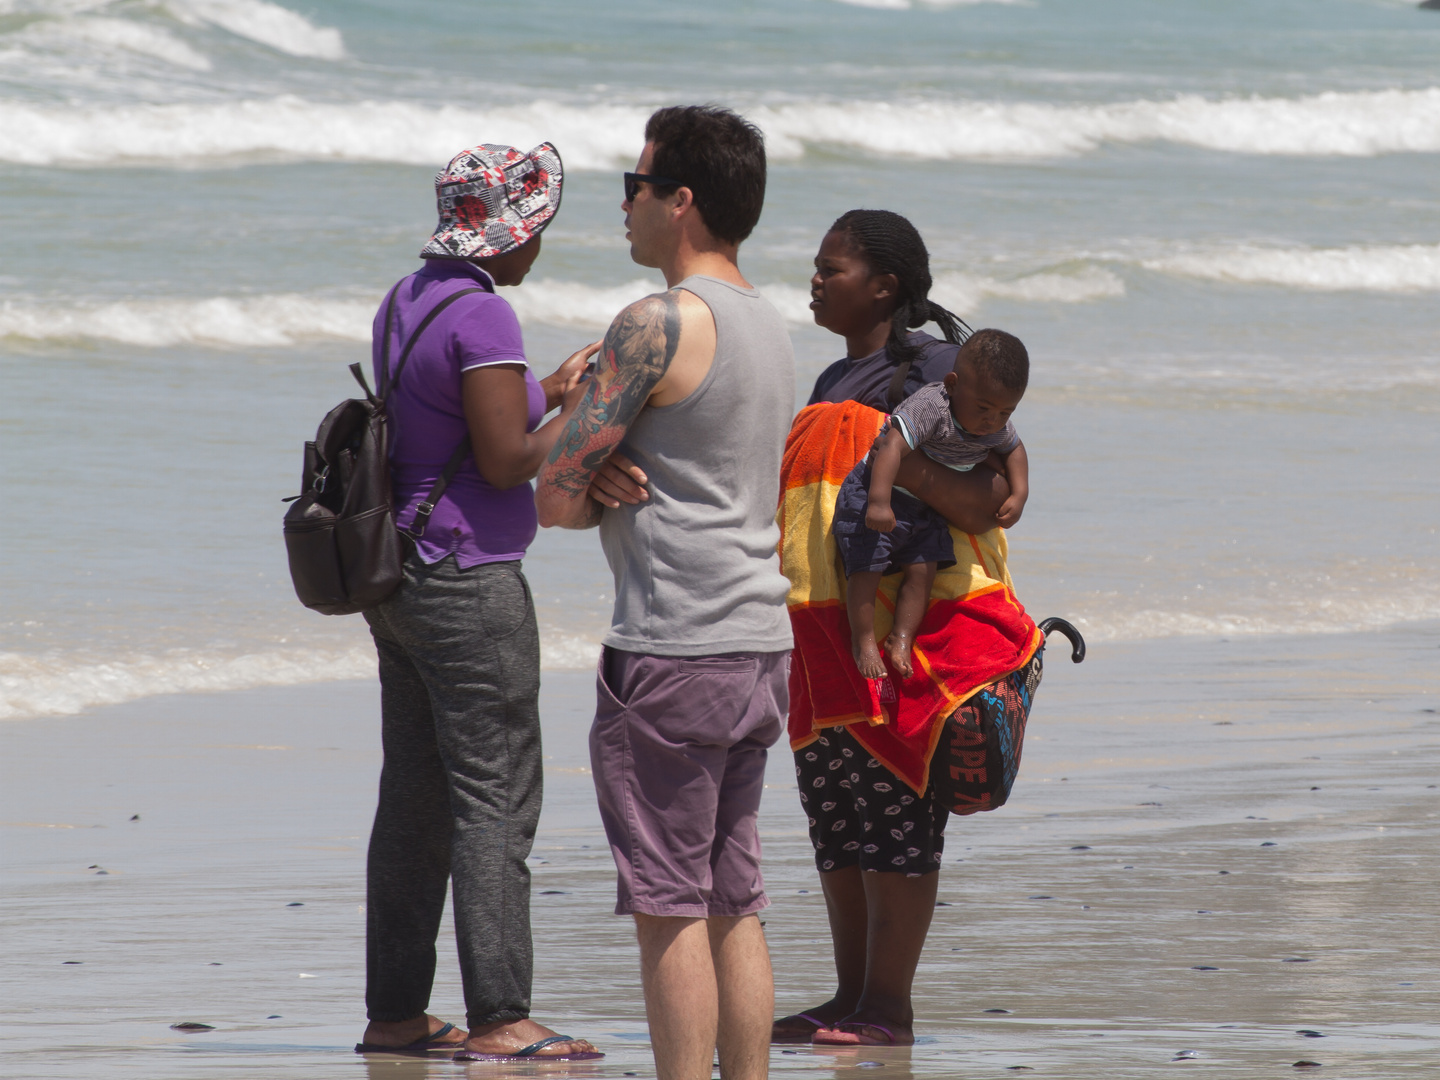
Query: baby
<point x="883" y="529"/>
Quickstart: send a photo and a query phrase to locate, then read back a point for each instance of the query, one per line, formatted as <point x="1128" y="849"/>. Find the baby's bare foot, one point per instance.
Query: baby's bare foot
<point x="897" y="649"/>
<point x="867" y="657"/>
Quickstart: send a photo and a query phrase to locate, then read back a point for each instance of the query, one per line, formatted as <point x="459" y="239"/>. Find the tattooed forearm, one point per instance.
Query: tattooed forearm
<point x="636" y="353"/>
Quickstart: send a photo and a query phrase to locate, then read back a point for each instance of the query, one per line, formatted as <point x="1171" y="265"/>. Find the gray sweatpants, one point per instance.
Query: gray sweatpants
<point x="459" y="790"/>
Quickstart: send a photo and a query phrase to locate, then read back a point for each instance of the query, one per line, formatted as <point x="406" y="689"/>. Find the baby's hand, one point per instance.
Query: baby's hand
<point x="1010" y="510"/>
<point x="879" y="517"/>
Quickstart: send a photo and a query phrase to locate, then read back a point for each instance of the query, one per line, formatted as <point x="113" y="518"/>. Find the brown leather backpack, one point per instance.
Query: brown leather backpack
<point x="340" y="533"/>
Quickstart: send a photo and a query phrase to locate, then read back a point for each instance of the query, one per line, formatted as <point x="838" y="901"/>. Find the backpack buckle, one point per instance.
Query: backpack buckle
<point x="319" y="482"/>
<point x="422" y="519"/>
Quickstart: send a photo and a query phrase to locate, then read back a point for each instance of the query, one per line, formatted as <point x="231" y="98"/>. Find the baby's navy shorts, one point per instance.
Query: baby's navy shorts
<point x="920" y="535"/>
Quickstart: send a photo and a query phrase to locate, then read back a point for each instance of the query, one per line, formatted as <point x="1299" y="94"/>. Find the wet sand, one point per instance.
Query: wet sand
<point x="1213" y="846"/>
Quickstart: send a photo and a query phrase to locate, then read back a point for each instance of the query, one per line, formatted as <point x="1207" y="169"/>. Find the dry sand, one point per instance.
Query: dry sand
<point x="1212" y="846"/>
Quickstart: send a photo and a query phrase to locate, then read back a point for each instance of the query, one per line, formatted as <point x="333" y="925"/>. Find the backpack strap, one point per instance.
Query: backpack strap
<point x="388" y="381"/>
<point x="421" y="521"/>
<point x="896" y="393"/>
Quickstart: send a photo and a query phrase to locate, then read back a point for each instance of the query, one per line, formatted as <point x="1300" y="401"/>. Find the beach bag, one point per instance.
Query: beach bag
<point x="978" y="755"/>
<point x="340" y="534"/>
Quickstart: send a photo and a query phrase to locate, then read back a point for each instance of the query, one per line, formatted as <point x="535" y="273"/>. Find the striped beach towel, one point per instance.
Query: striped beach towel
<point x="974" y="632"/>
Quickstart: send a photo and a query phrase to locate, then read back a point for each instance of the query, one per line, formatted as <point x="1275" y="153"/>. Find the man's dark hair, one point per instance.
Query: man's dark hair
<point x="999" y="357"/>
<point x="889" y="244"/>
<point x="720" y="157"/>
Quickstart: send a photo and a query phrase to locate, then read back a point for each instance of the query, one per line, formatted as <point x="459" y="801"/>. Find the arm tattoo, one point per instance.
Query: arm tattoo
<point x="637" y="352"/>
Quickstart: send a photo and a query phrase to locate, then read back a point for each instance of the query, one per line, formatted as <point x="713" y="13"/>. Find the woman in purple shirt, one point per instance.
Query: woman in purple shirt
<point x="458" y="647"/>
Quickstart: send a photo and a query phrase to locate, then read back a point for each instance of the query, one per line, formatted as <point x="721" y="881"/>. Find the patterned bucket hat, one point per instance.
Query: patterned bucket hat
<point x="493" y="198"/>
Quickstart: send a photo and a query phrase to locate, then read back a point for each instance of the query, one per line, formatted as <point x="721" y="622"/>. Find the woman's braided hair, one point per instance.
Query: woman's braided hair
<point x="889" y="244"/>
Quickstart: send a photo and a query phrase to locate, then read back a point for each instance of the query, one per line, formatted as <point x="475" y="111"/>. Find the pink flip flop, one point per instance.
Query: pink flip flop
<point x="840" y="1036"/>
<point x="820" y="1025"/>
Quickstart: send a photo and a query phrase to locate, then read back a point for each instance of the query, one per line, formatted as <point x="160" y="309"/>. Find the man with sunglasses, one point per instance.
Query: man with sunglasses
<point x="674" y="452"/>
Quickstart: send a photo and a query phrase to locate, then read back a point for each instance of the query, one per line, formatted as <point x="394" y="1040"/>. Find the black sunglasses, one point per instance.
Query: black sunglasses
<point x="633" y="180"/>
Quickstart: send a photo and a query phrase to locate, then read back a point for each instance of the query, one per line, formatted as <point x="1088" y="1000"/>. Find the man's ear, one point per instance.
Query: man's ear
<point x="950" y="380"/>
<point x="684" y="200"/>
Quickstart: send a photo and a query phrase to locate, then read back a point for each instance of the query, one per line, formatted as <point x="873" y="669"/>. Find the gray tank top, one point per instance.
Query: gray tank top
<point x="696" y="568"/>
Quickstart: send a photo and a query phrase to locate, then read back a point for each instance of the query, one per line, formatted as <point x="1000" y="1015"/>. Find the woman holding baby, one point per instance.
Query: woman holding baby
<point x="879" y="840"/>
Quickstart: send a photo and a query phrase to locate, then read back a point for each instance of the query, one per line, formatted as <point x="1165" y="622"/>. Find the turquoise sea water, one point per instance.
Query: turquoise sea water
<point x="1216" y="225"/>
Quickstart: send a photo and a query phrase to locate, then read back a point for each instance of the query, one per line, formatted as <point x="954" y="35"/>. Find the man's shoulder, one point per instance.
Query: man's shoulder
<point x="640" y="324"/>
<point x="660" y="306"/>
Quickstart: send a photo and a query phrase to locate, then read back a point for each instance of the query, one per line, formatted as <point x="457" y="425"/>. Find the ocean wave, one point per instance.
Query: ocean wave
<point x="108" y="36"/>
<point x="265" y="321"/>
<point x="1310" y="616"/>
<point x="285" y="319"/>
<point x="572" y="303"/>
<point x="65" y="23"/>
<point x="1371" y="268"/>
<point x="965" y="293"/>
<point x="56" y="684"/>
<point x="291" y="128"/>
<point x="1350" y="124"/>
<point x="268" y="24"/>
<point x="1363" y="123"/>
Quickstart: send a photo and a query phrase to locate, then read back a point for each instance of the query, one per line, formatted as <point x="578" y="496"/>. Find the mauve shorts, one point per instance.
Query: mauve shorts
<point x="678" y="754"/>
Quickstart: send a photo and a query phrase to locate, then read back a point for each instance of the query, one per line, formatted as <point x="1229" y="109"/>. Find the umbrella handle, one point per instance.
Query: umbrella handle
<point x="1077" y="643"/>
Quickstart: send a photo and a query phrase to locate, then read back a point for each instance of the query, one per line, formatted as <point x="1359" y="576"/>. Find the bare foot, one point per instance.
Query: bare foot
<point x="867" y="656"/>
<point x="407" y="1032"/>
<point x="801" y="1027"/>
<point x="510" y="1036"/>
<point x="897" y="650"/>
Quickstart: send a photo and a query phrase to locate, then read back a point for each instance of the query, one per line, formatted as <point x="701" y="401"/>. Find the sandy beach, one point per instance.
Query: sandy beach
<point x="1214" y="847"/>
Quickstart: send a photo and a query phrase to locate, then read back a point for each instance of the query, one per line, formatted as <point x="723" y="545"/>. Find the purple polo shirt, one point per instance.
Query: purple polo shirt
<point x="474" y="522"/>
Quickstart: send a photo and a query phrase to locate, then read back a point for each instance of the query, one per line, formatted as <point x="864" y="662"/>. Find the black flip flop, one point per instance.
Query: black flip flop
<point x="418" y="1048"/>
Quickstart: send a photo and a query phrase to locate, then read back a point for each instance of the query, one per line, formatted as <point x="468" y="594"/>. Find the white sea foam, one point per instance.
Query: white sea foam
<point x="1371" y="268"/>
<point x="1312" y="615"/>
<point x="108" y="35"/>
<point x="1362" y="123"/>
<point x="571" y="303"/>
<point x="56" y="684"/>
<point x="276" y="320"/>
<point x="1354" y="124"/>
<point x="284" y="319"/>
<point x="269" y="24"/>
<point x="568" y="652"/>
<point x="293" y="128"/>
<point x="965" y="293"/>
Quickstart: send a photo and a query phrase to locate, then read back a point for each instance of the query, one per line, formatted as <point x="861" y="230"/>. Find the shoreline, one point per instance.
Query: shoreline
<point x="1303" y="767"/>
<point x="54" y="691"/>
